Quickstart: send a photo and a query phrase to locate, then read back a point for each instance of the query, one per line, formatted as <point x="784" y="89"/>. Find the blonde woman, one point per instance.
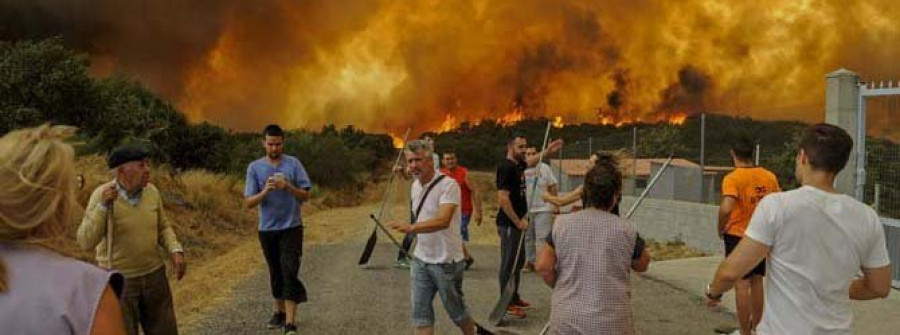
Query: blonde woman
<point x="41" y="291"/>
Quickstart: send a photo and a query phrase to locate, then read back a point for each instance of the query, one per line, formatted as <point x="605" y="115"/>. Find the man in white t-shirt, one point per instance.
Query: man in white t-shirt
<point x="817" y="241"/>
<point x="406" y="173"/>
<point x="438" y="261"/>
<point x="539" y="178"/>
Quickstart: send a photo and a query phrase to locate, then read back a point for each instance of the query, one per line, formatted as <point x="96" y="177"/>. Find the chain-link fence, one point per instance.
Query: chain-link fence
<point x="696" y="173"/>
<point x="882" y="189"/>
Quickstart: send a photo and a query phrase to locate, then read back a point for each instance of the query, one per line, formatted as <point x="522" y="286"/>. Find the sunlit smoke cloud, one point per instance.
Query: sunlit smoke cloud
<point x="386" y="65"/>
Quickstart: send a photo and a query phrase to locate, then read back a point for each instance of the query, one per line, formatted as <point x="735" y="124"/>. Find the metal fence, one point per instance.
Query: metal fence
<point x="882" y="170"/>
<point x="882" y="189"/>
<point x="647" y="146"/>
<point x="892" y="236"/>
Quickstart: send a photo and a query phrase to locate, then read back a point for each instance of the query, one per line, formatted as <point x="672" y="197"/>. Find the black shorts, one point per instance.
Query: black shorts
<point x="731" y="242"/>
<point x="283" y="250"/>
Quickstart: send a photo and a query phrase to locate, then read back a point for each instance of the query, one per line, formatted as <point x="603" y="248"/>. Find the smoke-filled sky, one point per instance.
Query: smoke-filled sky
<point x="384" y="65"/>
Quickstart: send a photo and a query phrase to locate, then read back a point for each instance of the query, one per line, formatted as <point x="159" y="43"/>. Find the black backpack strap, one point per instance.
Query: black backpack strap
<point x="415" y="216"/>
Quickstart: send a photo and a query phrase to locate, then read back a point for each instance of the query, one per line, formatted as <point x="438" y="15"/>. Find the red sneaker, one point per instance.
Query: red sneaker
<point x="516" y="312"/>
<point x="522" y="304"/>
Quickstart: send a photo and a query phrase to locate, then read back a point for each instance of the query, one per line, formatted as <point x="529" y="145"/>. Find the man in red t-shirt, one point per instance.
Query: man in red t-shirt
<point x="471" y="201"/>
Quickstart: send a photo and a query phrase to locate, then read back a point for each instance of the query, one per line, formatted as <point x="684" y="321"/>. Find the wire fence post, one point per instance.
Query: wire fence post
<point x="757" y="154"/>
<point x="590" y="146"/>
<point x="560" y="171"/>
<point x="702" y="156"/>
<point x="634" y="154"/>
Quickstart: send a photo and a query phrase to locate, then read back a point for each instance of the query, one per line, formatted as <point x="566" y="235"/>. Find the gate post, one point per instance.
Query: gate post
<point x="842" y="102"/>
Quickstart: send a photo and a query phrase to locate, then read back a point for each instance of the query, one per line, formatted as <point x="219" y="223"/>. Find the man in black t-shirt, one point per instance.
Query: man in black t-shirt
<point x="511" y="217"/>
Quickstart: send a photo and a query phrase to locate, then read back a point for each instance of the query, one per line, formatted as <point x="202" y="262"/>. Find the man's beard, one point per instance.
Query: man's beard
<point x="275" y="156"/>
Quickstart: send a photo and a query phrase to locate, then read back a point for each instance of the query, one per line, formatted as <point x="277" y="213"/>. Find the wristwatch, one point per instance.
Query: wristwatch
<point x="710" y="296"/>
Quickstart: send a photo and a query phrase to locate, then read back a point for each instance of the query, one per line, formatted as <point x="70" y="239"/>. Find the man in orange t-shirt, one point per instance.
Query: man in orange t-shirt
<point x="742" y="189"/>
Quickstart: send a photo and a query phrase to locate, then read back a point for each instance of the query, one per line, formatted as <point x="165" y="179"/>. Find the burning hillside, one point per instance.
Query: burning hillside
<point x="384" y="65"/>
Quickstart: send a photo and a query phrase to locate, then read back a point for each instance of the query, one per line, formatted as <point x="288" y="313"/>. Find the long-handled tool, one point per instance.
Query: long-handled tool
<point x="510" y="288"/>
<point x="379" y="225"/>
<point x="633" y="208"/>
<point x="373" y="238"/>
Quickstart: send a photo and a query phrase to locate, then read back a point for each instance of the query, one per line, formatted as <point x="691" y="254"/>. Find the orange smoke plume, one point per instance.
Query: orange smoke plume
<point x="384" y="65"/>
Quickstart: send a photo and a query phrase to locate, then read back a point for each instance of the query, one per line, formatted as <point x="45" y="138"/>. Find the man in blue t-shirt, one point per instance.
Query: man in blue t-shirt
<point x="278" y="184"/>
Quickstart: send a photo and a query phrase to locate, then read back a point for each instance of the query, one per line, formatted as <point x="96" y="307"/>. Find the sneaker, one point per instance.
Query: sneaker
<point x="277" y="321"/>
<point x="469" y="262"/>
<point x="521" y="304"/>
<point x="529" y="267"/>
<point x="290" y="329"/>
<point x="516" y="312"/>
<point x="402" y="263"/>
<point x="726" y="329"/>
<point x="479" y="330"/>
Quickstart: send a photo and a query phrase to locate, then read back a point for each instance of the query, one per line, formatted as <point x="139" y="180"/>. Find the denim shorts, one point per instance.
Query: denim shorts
<point x="445" y="280"/>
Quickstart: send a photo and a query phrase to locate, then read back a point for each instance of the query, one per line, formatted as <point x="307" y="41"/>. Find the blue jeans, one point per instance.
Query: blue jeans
<point x="464" y="226"/>
<point x="444" y="279"/>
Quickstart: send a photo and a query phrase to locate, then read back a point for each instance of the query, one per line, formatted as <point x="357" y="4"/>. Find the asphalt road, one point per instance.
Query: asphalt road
<point x="347" y="299"/>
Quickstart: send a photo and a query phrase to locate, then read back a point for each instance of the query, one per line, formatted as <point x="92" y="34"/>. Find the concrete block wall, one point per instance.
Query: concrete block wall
<point x="670" y="220"/>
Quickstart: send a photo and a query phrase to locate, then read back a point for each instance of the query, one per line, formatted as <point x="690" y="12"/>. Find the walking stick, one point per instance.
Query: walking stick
<point x="110" y="213"/>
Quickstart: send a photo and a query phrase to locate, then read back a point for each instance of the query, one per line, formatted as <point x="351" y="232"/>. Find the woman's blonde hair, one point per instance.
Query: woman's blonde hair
<point x="37" y="186"/>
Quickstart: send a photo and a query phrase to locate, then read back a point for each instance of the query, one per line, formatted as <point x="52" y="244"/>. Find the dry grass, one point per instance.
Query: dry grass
<point x="663" y="251"/>
<point x="217" y="231"/>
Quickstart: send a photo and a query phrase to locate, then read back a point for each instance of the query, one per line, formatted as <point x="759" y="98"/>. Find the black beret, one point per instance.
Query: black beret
<point x="122" y="155"/>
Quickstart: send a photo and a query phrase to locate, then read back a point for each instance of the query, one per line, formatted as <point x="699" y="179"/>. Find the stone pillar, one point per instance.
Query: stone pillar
<point x="841" y="109"/>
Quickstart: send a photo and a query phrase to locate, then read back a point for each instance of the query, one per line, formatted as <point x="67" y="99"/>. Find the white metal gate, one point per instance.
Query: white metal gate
<point x="891" y="225"/>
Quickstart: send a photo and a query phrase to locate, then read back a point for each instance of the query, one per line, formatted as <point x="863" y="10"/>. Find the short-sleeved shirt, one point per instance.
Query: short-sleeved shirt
<point x="748" y="186"/>
<point x="592" y="295"/>
<point x="534" y="191"/>
<point x="437" y="162"/>
<point x="459" y="174"/>
<point x="279" y="210"/>
<point x="511" y="178"/>
<point x="819" y="242"/>
<point x="49" y="293"/>
<point x="445" y="245"/>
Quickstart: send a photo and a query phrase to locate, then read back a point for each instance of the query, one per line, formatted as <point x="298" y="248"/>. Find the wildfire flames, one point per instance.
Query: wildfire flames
<point x="558" y="122"/>
<point x="388" y="65"/>
<point x="448" y="125"/>
<point x="677" y="118"/>
<point x="398" y="141"/>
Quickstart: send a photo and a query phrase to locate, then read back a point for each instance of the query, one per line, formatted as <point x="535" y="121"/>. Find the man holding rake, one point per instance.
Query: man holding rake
<point x="437" y="262"/>
<point x="511" y="217"/>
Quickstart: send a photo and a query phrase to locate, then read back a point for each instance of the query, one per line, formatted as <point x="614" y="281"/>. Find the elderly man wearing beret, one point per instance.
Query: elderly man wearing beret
<point x="125" y="224"/>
